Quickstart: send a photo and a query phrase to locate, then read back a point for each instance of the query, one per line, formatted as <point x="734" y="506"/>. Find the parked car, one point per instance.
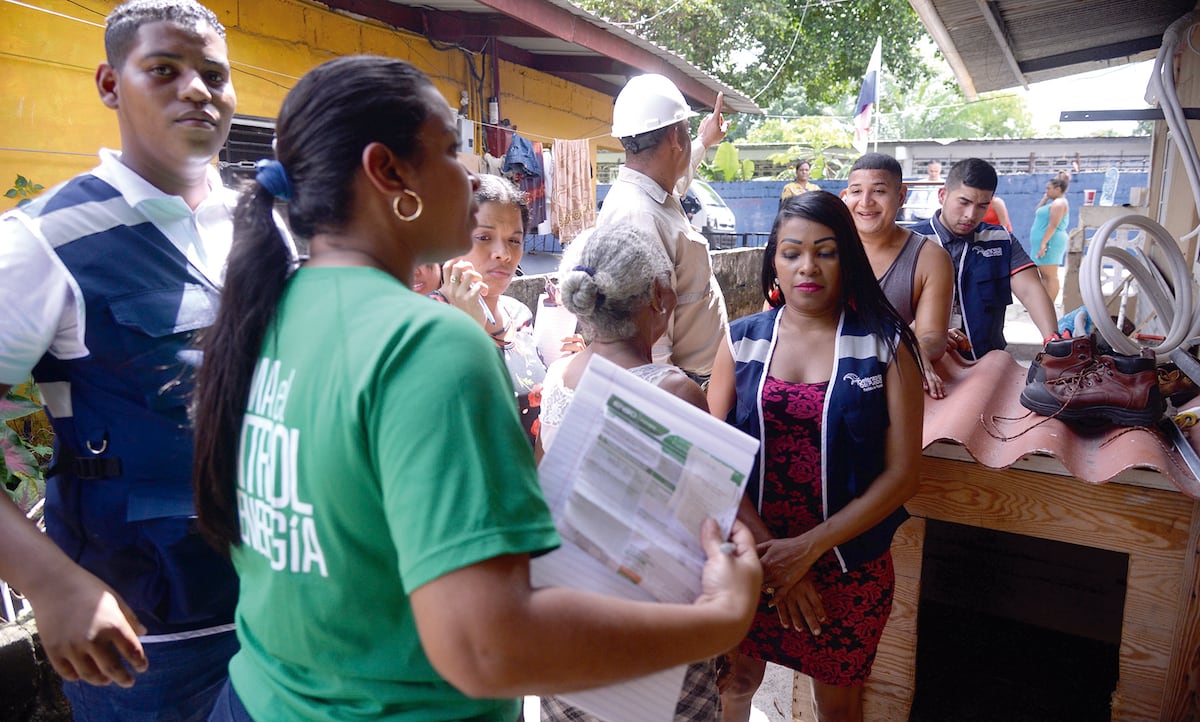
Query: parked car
<point x="709" y="213"/>
<point x="921" y="203"/>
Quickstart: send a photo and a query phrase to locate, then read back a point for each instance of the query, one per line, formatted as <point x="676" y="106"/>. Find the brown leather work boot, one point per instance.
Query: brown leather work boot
<point x="1062" y="358"/>
<point x="1115" y="390"/>
<point x="1175" y="385"/>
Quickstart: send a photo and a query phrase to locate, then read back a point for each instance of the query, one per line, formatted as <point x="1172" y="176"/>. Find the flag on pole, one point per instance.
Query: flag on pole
<point x="868" y="98"/>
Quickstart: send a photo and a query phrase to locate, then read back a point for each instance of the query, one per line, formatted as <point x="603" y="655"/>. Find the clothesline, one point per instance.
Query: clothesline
<point x="537" y="136"/>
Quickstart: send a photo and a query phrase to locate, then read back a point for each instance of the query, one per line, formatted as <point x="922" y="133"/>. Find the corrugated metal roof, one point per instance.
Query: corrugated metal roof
<point x="553" y="36"/>
<point x="998" y="44"/>
<point x="983" y="414"/>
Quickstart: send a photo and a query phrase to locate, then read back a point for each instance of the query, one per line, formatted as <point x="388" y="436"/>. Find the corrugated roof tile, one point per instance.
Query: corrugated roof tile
<point x="983" y="413"/>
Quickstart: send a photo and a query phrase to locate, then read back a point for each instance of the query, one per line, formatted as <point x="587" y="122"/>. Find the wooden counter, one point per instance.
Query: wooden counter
<point x="1158" y="528"/>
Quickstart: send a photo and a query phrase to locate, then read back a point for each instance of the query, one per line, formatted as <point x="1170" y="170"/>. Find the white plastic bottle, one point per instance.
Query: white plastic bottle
<point x="1108" y="193"/>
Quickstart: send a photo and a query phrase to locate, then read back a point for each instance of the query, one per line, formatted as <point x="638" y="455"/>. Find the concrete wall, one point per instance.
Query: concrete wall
<point x="32" y="691"/>
<point x="1022" y="193"/>
<point x="1009" y="155"/>
<point x="755" y="203"/>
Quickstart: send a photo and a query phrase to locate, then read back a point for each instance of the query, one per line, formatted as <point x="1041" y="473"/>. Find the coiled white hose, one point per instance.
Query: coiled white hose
<point x="1178" y="309"/>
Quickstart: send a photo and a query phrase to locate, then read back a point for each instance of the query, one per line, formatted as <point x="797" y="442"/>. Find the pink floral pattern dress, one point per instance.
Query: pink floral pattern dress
<point x="856" y="603"/>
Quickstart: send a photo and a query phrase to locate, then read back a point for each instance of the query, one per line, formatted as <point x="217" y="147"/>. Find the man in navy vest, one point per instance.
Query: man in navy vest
<point x="989" y="264"/>
<point x="104" y="280"/>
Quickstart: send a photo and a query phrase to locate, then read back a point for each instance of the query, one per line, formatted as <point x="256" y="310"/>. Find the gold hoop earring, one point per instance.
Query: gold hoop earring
<point x="412" y="216"/>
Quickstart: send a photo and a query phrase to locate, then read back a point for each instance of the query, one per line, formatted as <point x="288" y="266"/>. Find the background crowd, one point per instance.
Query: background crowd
<point x="332" y="516"/>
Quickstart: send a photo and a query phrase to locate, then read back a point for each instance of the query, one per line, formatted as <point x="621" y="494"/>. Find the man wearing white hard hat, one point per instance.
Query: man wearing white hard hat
<point x="650" y="118"/>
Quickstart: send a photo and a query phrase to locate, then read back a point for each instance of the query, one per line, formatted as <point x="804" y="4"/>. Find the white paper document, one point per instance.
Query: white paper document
<point x="632" y="474"/>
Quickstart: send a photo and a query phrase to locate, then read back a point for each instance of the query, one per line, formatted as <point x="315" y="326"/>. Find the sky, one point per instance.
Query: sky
<point x="1119" y="88"/>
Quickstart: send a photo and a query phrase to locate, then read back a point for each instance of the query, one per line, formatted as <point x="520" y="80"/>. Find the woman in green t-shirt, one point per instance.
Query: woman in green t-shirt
<point x="358" y="456"/>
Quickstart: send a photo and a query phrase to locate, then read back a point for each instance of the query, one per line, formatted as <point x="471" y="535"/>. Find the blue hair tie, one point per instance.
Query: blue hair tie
<point x="273" y="177"/>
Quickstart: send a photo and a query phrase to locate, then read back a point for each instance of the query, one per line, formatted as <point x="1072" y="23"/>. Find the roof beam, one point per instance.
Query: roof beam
<point x="1122" y="49"/>
<point x="443" y="26"/>
<point x="561" y="24"/>
<point x="991" y="15"/>
<point x="941" y="36"/>
<point x="623" y="53"/>
<point x="583" y="64"/>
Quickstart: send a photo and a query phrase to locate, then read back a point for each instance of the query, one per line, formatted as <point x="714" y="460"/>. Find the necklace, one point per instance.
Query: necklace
<point x="499" y="335"/>
<point x="500" y="332"/>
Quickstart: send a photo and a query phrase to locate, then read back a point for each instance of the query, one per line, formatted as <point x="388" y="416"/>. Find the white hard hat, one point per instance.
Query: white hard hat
<point x="646" y="103"/>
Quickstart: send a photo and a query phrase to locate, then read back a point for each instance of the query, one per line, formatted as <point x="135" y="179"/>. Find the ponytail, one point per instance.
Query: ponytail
<point x="327" y="118"/>
<point x="260" y="262"/>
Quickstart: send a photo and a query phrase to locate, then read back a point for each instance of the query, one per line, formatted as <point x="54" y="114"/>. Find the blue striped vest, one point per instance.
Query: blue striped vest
<point x="982" y="280"/>
<point x="854" y="420"/>
<point x="119" y="501"/>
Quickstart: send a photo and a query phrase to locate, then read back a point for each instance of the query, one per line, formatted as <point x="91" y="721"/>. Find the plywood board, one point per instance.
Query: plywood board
<point x="1158" y="529"/>
<point x="1183" y="678"/>
<point x="1105" y="516"/>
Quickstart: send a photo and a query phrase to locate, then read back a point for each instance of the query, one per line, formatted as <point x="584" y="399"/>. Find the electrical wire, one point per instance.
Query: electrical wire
<point x="795" y="39"/>
<point x="643" y="21"/>
<point x="1175" y="303"/>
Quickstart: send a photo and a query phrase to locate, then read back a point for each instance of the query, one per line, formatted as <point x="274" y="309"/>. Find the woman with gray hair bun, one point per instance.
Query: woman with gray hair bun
<point x="617" y="281"/>
<point x="606" y="279"/>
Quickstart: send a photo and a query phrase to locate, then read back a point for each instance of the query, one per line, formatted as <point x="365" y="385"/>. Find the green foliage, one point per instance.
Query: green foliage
<point x="824" y="141"/>
<point x="939" y="110"/>
<point x="818" y="46"/>
<point x="725" y="165"/>
<point x="25" y="439"/>
<point x="24" y="189"/>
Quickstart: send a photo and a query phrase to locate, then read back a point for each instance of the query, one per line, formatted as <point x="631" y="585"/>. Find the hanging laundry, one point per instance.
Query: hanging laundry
<point x="497" y="138"/>
<point x="574" y="202"/>
<point x="493" y="165"/>
<point x="548" y="178"/>
<point x="522" y="158"/>
<point x="532" y="184"/>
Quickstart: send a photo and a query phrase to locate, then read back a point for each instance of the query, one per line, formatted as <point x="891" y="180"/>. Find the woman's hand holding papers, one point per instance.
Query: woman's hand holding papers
<point x="731" y="581"/>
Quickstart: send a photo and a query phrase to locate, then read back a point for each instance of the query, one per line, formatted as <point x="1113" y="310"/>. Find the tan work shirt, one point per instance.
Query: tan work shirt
<point x="700" y="321"/>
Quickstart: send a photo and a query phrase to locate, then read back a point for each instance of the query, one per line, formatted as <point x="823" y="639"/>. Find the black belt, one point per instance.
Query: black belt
<point x="84" y="467"/>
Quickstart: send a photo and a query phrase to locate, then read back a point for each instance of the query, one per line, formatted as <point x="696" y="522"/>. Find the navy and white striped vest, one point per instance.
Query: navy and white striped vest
<point x="854" y="420"/>
<point x="982" y="280"/>
<point x="120" y="498"/>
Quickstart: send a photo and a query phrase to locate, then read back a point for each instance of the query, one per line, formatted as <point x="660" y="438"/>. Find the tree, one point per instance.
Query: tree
<point x="824" y="141"/>
<point x="765" y="47"/>
<point x="939" y="110"/>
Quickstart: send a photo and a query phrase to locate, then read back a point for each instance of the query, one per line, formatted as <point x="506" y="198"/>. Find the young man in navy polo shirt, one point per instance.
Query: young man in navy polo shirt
<point x="989" y="264"/>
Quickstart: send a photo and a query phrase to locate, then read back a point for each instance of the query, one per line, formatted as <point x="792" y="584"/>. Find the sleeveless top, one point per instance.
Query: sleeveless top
<point x="556" y="397"/>
<point x="1041" y="219"/>
<point x="898" y="281"/>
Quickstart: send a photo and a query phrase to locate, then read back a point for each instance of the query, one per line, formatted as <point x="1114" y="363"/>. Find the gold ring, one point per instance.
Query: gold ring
<point x="454" y="279"/>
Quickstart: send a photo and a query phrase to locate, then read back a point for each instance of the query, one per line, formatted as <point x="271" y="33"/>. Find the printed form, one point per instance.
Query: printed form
<point x="632" y="474"/>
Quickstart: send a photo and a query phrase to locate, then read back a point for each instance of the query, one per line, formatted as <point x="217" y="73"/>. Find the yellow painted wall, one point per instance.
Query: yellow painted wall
<point x="54" y="122"/>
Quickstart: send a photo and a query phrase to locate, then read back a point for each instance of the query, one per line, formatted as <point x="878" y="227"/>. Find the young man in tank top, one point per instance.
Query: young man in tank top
<point x="916" y="276"/>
